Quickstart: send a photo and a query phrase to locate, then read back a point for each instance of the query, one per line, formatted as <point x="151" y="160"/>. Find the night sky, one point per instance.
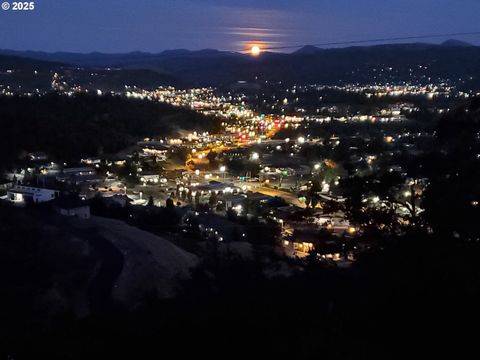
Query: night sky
<point x="156" y="25"/>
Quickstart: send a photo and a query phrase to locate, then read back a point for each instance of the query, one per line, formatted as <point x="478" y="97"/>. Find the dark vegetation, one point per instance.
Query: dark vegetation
<point x="71" y="128"/>
<point x="36" y="261"/>
<point x="452" y="199"/>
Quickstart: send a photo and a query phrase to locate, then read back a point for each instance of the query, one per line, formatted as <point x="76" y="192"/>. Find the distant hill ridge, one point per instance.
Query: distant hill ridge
<point x="453" y="42"/>
<point x="452" y="59"/>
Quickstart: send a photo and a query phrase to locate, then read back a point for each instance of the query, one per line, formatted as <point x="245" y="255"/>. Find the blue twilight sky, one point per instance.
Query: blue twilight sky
<point x="156" y="25"/>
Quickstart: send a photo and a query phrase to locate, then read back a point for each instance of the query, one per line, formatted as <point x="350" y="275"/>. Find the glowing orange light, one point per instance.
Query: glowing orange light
<point x="255" y="50"/>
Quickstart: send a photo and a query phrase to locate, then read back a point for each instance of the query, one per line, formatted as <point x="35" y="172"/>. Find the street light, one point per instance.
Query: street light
<point x="223" y="169"/>
<point x="255" y="156"/>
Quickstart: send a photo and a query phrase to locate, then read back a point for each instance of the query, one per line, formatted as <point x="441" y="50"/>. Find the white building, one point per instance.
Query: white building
<point x="20" y="193"/>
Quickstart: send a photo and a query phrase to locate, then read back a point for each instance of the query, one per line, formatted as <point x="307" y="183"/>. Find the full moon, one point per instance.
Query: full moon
<point x="255" y="50"/>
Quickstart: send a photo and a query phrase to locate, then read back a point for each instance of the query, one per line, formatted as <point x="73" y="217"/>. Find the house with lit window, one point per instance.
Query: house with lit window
<point x="153" y="149"/>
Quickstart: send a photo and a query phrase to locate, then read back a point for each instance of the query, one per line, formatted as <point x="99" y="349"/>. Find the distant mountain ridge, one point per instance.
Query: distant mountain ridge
<point x="311" y="49"/>
<point x="451" y="60"/>
<point x="453" y="42"/>
<point x="12" y="61"/>
<point x="98" y="59"/>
